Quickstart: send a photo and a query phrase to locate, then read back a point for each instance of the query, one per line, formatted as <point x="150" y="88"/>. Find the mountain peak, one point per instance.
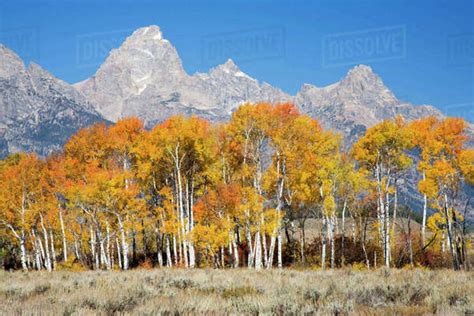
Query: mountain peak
<point x="145" y="61"/>
<point x="148" y="32"/>
<point x="229" y="66"/>
<point x="10" y="63"/>
<point x="230" y="63"/>
<point x="362" y="69"/>
<point x="363" y="78"/>
<point x="152" y="31"/>
<point x="361" y="73"/>
<point x="145" y="36"/>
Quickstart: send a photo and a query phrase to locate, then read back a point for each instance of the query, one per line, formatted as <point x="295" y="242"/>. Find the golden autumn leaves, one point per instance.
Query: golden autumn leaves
<point x="443" y="161"/>
<point x="200" y="194"/>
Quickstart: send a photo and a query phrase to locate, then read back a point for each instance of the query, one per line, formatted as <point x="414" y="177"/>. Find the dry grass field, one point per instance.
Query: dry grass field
<point x="175" y="291"/>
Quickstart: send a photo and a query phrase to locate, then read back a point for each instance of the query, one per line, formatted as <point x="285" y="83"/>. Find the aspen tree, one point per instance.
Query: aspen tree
<point x="450" y="164"/>
<point x="382" y="151"/>
<point x="201" y="193"/>
<point x="19" y="189"/>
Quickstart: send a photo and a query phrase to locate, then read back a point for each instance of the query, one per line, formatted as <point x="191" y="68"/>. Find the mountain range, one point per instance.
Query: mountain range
<point x="38" y="112"/>
<point x="144" y="77"/>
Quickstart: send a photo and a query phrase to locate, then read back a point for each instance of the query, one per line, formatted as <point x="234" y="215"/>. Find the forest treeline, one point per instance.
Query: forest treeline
<point x="191" y="194"/>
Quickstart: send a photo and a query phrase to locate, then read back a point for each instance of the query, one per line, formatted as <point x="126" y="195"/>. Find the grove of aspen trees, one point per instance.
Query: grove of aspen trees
<point x="190" y="194"/>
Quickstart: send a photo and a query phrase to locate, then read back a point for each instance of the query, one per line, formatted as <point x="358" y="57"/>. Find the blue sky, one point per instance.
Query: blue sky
<point x="423" y="50"/>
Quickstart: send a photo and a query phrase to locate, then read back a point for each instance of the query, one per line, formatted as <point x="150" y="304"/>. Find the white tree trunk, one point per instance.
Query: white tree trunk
<point x="323" y="246"/>
<point x="169" y="260"/>
<point x="331" y="222"/>
<point x="380" y="207"/>
<point x="119" y="255"/>
<point x="124" y="243"/>
<point x="63" y="234"/>
<point x="46" y="244"/>
<point x="231" y="250"/>
<point x="192" y="255"/>
<point x="250" y="258"/>
<point x="36" y="250"/>
<point x="425" y="206"/>
<point x="395" y="207"/>
<point x="160" y="258"/>
<point x="266" y="259"/>
<point x="269" y="261"/>
<point x="190" y="195"/>
<point x="387" y="232"/>
<point x="450" y="233"/>
<point x="258" y="251"/>
<point x="107" y="247"/>
<point x="181" y="205"/>
<point x="112" y="256"/>
<point x="92" y="243"/>
<point x="159" y="247"/>
<point x="175" y="253"/>
<point x="279" y="196"/>
<point x="280" y="258"/>
<point x="21" y="239"/>
<point x="103" y="255"/>
<point x="76" y="248"/>
<point x="236" y="254"/>
<point x="23" y="253"/>
<point x="222" y="257"/>
<point x="180" y="245"/>
<point x="97" y="251"/>
<point x="29" y="264"/>
<point x="343" y="231"/>
<point x="53" y="251"/>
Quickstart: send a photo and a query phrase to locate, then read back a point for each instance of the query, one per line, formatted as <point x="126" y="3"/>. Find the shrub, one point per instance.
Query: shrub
<point x="72" y="265"/>
<point x="182" y="283"/>
<point x="90" y="303"/>
<point x="41" y="288"/>
<point x="359" y="266"/>
<point x="312" y="295"/>
<point x="146" y="265"/>
<point x="239" y="291"/>
<point x="457" y="298"/>
<point x="119" y="305"/>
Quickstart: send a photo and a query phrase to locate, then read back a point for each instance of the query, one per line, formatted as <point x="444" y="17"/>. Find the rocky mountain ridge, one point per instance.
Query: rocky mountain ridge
<point x="144" y="77"/>
<point x="38" y="112"/>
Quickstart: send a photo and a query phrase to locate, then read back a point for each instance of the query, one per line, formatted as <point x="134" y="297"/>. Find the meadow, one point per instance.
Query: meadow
<point x="237" y="291"/>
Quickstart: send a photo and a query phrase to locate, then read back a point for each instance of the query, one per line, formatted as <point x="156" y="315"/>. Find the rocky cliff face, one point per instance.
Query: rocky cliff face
<point x="145" y="77"/>
<point x="358" y="101"/>
<point x="38" y="112"/>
